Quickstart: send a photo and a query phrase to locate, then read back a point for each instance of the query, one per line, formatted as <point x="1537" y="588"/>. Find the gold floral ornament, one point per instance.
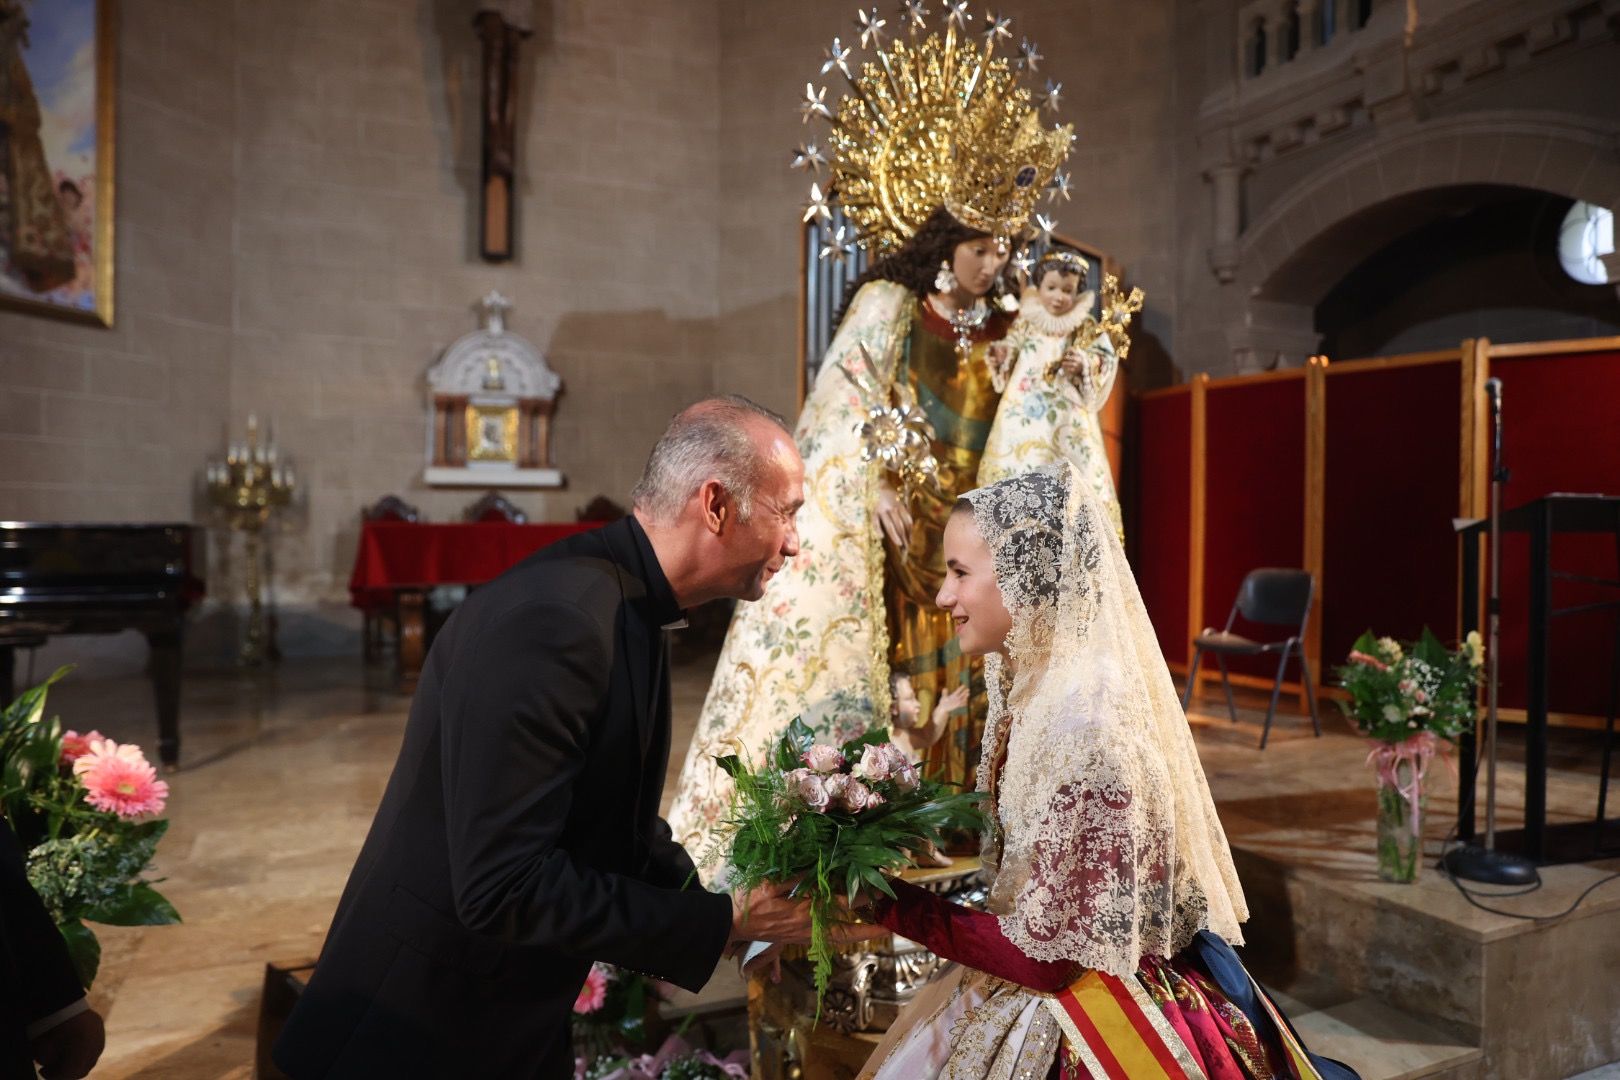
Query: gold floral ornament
<point x="934" y="119"/>
<point x="1117" y="310"/>
<point x="895" y="432"/>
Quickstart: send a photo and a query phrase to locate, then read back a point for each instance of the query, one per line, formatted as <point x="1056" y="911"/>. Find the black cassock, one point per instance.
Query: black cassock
<point x="518" y="839"/>
<point x="36" y="975"/>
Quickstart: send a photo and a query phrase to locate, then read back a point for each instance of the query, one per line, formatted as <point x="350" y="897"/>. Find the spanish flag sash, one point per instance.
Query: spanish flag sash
<point x="1120" y="1033"/>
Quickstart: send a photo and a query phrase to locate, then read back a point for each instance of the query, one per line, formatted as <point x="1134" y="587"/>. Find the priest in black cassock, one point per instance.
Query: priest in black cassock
<point x="519" y="837"/>
<point x="44" y="1017"/>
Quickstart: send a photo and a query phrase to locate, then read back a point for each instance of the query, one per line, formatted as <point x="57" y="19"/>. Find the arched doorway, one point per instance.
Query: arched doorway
<point x="1507" y="170"/>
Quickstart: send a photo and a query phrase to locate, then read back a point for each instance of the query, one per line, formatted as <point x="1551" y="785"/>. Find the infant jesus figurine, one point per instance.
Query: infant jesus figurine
<point x="1055" y="370"/>
<point x="914" y="737"/>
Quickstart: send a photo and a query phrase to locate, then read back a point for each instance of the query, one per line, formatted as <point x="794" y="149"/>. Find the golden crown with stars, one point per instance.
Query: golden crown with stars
<point x="933" y="119"/>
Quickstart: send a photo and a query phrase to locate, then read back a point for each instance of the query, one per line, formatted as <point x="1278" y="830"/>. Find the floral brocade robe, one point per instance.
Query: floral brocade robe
<point x="818" y="645"/>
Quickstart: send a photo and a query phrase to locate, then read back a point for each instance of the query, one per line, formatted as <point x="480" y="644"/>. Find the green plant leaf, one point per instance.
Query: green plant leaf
<point x="83" y="949"/>
<point x="1430" y="650"/>
<point x="135" y="905"/>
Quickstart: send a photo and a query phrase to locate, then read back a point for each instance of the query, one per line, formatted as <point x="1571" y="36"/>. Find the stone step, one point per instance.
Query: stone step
<point x="1382" y="1043"/>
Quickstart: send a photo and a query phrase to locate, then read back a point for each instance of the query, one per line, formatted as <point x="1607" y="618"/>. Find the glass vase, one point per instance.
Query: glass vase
<point x="1400" y="826"/>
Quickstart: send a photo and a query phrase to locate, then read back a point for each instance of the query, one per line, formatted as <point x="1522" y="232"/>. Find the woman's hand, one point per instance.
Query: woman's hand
<point x="894" y="516"/>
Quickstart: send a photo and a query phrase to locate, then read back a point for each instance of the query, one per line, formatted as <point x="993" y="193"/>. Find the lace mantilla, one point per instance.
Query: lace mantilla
<point x="1108" y="847"/>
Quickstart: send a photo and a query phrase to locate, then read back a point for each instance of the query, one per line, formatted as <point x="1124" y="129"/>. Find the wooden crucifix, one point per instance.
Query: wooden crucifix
<point x="501" y="40"/>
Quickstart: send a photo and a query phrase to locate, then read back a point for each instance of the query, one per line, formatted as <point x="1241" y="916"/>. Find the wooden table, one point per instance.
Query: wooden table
<point x="398" y="563"/>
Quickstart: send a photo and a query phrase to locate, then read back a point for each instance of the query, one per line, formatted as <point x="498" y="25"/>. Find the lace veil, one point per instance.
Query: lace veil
<point x="1108" y="847"/>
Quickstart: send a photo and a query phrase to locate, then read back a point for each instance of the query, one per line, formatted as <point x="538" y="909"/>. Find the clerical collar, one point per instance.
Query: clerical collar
<point x="664" y="609"/>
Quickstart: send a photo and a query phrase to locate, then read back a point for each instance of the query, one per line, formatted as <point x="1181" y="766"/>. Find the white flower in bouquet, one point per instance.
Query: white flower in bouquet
<point x="811" y="788"/>
<point x="1391" y="650"/>
<point x="1474" y="646"/>
<point x="1392" y="713"/>
<point x="880" y="762"/>
<point x="824" y="759"/>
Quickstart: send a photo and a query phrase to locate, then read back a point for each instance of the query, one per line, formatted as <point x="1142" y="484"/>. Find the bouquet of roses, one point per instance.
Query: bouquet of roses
<point x="83" y="807"/>
<point x="835" y="819"/>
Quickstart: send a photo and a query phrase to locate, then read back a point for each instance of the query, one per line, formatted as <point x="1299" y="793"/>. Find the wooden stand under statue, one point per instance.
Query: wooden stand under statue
<point x="871" y="983"/>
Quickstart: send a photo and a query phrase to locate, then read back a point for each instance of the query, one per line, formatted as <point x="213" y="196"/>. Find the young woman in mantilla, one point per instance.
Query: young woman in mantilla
<point x="1114" y="905"/>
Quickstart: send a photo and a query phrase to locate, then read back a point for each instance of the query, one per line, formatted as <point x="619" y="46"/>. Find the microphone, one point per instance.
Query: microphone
<point x="1493" y="391"/>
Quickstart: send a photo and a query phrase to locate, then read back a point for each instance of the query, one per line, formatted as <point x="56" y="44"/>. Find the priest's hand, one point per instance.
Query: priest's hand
<point x="70" y="1049"/>
<point x="768" y="913"/>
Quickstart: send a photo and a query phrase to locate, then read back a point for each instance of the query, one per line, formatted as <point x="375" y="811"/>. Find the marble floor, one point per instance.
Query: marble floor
<point x="283" y="771"/>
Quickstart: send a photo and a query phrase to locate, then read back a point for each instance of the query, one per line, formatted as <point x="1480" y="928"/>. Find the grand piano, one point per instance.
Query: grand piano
<point x="100" y="579"/>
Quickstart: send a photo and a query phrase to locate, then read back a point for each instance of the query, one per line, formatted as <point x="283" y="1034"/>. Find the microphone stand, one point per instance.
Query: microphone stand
<point x="1470" y="861"/>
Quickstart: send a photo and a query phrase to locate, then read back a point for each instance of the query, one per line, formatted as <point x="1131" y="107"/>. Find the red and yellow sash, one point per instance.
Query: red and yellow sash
<point x="1120" y="1033"/>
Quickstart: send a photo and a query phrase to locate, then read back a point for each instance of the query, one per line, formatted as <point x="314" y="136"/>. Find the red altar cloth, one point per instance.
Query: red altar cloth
<point x="396" y="555"/>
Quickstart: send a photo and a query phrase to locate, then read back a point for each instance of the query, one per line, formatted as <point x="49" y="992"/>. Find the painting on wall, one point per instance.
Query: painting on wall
<point x="56" y="157"/>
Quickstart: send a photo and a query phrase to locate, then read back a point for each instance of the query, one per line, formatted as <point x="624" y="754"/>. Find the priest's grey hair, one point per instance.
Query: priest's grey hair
<point x="708" y="440"/>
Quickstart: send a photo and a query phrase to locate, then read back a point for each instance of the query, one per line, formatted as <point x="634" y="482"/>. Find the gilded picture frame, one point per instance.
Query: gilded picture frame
<point x="492" y="433"/>
<point x="58" y="84"/>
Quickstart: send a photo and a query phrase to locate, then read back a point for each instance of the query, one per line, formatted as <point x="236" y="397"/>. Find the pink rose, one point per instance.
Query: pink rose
<point x="880" y="762"/>
<point x="810" y="788"/>
<point x="824" y="759"/>
<point x="906" y="777"/>
<point x="848" y="793"/>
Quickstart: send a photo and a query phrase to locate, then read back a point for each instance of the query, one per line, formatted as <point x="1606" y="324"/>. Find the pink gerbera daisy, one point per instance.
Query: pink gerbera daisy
<point x="593" y="993"/>
<point x="119" y="779"/>
<point x="75" y="746"/>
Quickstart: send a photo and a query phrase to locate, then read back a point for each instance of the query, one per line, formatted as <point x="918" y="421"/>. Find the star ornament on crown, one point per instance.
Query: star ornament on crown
<point x="933" y="119"/>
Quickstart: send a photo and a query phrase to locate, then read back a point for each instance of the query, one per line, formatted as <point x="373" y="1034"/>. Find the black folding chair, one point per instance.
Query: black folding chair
<point x="1269" y="597"/>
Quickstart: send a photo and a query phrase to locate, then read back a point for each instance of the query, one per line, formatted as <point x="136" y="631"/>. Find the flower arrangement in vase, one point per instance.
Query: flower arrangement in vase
<point x="1411" y="701"/>
<point x="85" y="809"/>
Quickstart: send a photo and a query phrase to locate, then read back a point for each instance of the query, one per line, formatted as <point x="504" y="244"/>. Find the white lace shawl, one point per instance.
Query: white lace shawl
<point x="1108" y="847"/>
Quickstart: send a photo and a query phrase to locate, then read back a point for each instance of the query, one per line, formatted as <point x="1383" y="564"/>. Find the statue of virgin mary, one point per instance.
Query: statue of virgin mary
<point x="938" y="158"/>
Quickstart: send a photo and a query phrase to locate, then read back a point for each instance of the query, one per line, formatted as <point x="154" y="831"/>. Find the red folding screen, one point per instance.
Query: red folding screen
<point x="1354" y="471"/>
<point x="1160" y="529"/>
<point x="1393" y="437"/>
<point x="1559" y="412"/>
<point x="1254" y="503"/>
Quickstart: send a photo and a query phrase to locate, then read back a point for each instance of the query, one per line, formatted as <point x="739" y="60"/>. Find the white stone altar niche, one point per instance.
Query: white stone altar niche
<point x="491" y="397"/>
